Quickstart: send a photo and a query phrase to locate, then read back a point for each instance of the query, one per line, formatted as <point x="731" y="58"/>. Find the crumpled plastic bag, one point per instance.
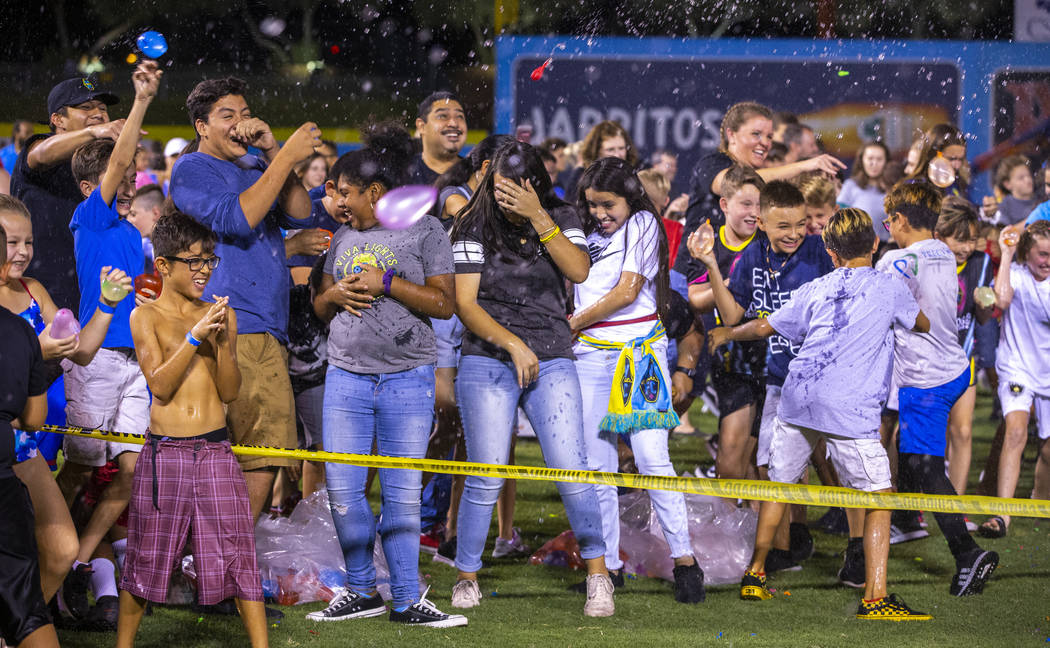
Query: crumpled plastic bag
<point x="722" y="539"/>
<point x="300" y="558"/>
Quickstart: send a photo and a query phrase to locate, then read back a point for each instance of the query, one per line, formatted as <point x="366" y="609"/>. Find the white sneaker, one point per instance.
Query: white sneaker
<point x="466" y="594"/>
<point x="510" y="548"/>
<point x="599" y="596"/>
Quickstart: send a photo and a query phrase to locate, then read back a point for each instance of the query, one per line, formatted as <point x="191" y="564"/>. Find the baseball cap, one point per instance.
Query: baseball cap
<point x="72" y="92"/>
<point x="174" y="146"/>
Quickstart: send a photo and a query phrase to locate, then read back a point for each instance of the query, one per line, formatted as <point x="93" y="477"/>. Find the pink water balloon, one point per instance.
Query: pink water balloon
<point x="64" y="325"/>
<point x="403" y="207"/>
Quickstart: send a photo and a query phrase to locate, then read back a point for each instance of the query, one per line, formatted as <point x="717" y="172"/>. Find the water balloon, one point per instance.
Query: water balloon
<point x="404" y="206"/>
<point x="940" y="172"/>
<point x="64" y="325"/>
<point x="984" y="296"/>
<point x="1011" y="237"/>
<point x="152" y="44"/>
<point x="537" y="74"/>
<point x="150" y="282"/>
<point x="113" y="291"/>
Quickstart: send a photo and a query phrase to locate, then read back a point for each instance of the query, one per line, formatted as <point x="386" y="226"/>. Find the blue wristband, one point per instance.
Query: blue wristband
<point x="106" y="308"/>
<point x="192" y="340"/>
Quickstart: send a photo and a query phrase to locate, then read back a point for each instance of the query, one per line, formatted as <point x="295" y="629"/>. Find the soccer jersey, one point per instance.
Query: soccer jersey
<point x="927" y="360"/>
<point x="763" y="280"/>
<point x="1024" y="341"/>
<point x="975" y="271"/>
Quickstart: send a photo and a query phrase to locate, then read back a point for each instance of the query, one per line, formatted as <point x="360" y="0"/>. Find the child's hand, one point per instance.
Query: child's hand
<point x="109" y="130"/>
<point x="254" y="132"/>
<point x="53" y="348"/>
<point x="519" y="200"/>
<point x="370" y="280"/>
<point x="146" y="79"/>
<point x="303" y="141"/>
<point x="718" y="337"/>
<point x="213" y="320"/>
<point x="349" y="294"/>
<point x="145" y="296"/>
<point x="1008" y="239"/>
<point x="701" y="244"/>
<point x="118" y="277"/>
<point x="310" y="242"/>
<point x="681" y="387"/>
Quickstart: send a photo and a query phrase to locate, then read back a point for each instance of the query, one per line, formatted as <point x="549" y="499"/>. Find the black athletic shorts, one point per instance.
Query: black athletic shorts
<point x="22" y="608"/>
<point x="736" y="391"/>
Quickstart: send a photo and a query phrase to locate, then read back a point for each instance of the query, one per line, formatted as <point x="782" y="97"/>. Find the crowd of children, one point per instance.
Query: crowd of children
<point x="840" y="325"/>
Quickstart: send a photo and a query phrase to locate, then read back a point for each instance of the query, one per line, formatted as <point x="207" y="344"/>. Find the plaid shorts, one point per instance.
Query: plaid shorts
<point x="184" y="483"/>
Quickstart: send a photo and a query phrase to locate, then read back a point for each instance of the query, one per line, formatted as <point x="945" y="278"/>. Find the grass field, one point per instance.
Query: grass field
<point x="529" y="606"/>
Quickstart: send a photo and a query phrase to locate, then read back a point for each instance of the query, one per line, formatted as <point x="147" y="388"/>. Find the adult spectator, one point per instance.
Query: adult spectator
<point x="246" y="200"/>
<point x="78" y="112"/>
<point x="22" y="130"/>
<point x="442" y="128"/>
<point x="801" y="143"/>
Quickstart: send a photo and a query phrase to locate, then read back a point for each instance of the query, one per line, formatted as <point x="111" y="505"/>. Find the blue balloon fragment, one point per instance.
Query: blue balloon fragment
<point x="152" y="44"/>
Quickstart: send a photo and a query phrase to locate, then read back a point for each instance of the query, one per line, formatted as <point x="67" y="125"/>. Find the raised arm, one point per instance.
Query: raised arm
<point x="275" y="183"/>
<point x="728" y="309"/>
<point x="523" y="201"/>
<point x="59" y="148"/>
<point x="1004" y="292"/>
<point x="146" y="80"/>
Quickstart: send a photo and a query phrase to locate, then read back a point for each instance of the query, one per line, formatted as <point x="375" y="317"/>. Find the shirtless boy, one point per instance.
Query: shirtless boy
<point x="186" y="475"/>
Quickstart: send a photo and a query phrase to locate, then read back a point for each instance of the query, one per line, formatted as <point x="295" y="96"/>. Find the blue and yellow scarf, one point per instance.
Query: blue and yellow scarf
<point x="640" y="398"/>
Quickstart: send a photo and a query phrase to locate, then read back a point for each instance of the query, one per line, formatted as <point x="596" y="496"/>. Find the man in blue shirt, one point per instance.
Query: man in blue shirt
<point x="246" y="200"/>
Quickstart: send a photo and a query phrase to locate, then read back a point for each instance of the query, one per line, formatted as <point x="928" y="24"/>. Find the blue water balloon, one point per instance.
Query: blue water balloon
<point x="152" y="44"/>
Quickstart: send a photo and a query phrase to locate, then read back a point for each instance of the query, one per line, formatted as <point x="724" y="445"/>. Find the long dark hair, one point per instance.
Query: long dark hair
<point x="385" y="158"/>
<point x="460" y="172"/>
<point x="517" y="162"/>
<point x="618" y="177"/>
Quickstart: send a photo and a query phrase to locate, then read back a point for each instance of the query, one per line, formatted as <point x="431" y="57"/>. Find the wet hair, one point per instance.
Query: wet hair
<point x="13" y="205"/>
<point x="423" y="110"/>
<point x="516" y="161"/>
<point x="779" y="193"/>
<point x="849" y="233"/>
<point x="460" y="172"/>
<point x="90" y="160"/>
<point x="1039" y="229"/>
<point x="817" y="188"/>
<point x="736" y="177"/>
<point x="204" y="95"/>
<point x="860" y="176"/>
<point x="1006" y="167"/>
<point x="934" y="141"/>
<point x="175" y="232"/>
<point x="603" y="130"/>
<point x="384" y="159"/>
<point x="735" y="117"/>
<point x="958" y="219"/>
<point x="919" y="200"/>
<point x="152" y="194"/>
<point x="616" y="176"/>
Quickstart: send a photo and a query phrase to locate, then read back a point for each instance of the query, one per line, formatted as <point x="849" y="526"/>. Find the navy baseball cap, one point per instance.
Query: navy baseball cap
<point x="73" y="92"/>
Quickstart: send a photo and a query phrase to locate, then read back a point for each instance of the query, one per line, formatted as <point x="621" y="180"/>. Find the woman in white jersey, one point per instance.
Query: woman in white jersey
<point x="621" y="352"/>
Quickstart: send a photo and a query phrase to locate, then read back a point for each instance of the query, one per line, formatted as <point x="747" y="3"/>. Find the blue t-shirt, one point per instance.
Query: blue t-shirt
<point x="844" y="323"/>
<point x="252" y="272"/>
<point x="1042" y="212"/>
<point x="102" y="238"/>
<point x="8" y="157"/>
<point x="763" y="280"/>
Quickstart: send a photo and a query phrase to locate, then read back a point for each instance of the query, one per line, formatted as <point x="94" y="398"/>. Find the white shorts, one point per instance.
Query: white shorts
<point x="1016" y="397"/>
<point x="108" y="394"/>
<point x="861" y="464"/>
<point x="765" y="428"/>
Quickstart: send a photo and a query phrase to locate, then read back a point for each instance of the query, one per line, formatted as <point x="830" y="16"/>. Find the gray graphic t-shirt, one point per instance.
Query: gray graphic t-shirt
<point x="388" y="337"/>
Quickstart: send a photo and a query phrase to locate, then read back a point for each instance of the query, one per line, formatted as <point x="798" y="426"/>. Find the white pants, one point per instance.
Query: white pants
<point x="595" y="368"/>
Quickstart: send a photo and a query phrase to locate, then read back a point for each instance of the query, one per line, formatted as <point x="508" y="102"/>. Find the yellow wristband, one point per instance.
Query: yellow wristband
<point x="556" y="231"/>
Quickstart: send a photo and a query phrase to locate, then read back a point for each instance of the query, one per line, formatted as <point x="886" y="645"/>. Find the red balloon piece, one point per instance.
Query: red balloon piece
<point x="537" y="74"/>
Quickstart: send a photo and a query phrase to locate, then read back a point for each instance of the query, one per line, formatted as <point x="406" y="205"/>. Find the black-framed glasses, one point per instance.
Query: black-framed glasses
<point x="196" y="263"/>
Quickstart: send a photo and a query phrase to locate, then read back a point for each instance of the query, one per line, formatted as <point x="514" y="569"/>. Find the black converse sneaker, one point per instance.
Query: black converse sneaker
<point x="350" y="605"/>
<point x="424" y="614"/>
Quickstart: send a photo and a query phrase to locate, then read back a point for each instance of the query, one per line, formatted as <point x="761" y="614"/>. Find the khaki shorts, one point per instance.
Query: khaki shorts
<point x="263" y="413"/>
<point x="861" y="464"/>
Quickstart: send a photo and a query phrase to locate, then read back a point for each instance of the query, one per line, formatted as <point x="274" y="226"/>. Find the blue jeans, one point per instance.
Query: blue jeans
<point x="396" y="411"/>
<point x="488" y="394"/>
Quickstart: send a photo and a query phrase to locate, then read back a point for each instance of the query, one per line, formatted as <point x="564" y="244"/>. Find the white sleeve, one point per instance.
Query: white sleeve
<point x="642" y="245"/>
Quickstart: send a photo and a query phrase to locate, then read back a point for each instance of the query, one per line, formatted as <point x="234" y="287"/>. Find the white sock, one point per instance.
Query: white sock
<point x="120" y="547"/>
<point x="103" y="578"/>
<point x="77" y="563"/>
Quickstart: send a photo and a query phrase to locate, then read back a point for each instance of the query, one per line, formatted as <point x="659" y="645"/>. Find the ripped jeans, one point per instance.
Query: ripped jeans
<point x="395" y="410"/>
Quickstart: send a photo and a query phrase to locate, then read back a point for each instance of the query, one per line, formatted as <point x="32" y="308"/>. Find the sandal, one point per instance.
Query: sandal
<point x="999" y="531"/>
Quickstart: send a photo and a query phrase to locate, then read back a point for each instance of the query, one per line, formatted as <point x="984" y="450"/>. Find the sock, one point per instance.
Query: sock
<point x="855" y="543"/>
<point x="77" y="563"/>
<point x="120" y="547"/>
<point x="103" y="578"/>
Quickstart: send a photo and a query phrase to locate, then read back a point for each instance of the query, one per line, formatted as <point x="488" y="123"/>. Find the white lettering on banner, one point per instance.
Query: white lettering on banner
<point x="659" y="126"/>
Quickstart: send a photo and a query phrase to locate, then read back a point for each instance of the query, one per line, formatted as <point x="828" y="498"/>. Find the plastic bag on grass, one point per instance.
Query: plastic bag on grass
<point x="562" y="551"/>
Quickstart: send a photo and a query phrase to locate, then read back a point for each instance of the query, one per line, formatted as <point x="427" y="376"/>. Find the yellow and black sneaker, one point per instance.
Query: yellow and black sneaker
<point x="753" y="587"/>
<point x="889" y="608"/>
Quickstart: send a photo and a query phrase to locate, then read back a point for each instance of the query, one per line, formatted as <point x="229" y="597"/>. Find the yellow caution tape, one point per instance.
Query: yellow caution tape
<point x="804" y="494"/>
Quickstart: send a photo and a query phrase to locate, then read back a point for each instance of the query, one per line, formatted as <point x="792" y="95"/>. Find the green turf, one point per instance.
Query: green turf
<point x="529" y="606"/>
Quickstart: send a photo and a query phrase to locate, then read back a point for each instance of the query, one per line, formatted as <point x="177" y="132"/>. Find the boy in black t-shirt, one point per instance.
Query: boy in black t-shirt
<point x="23" y="381"/>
